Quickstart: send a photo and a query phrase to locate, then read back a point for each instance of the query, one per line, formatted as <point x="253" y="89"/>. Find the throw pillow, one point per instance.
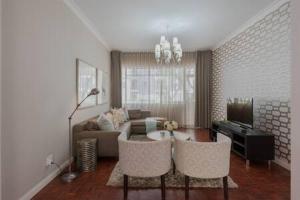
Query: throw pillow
<point x="119" y="115"/>
<point x="105" y="123"/>
<point x="123" y="114"/>
<point x="109" y="116"/>
<point x="92" y="126"/>
<point x="126" y="113"/>
<point x="113" y="119"/>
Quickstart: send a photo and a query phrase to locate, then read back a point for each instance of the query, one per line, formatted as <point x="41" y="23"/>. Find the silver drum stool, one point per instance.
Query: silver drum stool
<point x="87" y="154"/>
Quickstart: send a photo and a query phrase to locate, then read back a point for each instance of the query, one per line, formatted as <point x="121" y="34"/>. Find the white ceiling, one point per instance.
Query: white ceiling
<point x="131" y="25"/>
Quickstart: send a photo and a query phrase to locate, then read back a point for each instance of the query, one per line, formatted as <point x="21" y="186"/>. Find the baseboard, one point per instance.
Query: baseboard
<point x="38" y="187"/>
<point x="282" y="164"/>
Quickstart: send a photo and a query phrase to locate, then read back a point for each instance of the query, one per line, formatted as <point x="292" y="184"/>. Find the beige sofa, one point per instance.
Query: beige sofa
<point x="108" y="140"/>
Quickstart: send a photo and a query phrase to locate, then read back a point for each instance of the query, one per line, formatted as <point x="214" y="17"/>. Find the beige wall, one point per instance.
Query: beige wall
<point x="0" y="99"/>
<point x="296" y="101"/>
<point x="41" y="39"/>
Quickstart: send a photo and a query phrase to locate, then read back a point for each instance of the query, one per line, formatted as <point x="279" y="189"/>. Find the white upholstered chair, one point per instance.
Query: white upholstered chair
<point x="144" y="159"/>
<point x="205" y="160"/>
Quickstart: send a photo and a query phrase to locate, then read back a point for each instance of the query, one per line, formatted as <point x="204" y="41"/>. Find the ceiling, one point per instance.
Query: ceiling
<point x="135" y="25"/>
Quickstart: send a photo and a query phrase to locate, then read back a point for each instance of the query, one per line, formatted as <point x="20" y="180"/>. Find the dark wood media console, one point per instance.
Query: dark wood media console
<point x="248" y="143"/>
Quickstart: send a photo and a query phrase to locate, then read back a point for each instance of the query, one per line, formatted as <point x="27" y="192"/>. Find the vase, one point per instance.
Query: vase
<point x="171" y="133"/>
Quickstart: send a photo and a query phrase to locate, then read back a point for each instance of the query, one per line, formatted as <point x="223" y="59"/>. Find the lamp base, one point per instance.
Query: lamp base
<point x="69" y="177"/>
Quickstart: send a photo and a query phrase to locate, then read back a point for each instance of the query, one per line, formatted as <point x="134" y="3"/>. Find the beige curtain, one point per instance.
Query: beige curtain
<point x="116" y="87"/>
<point x="167" y="90"/>
<point x="202" y="105"/>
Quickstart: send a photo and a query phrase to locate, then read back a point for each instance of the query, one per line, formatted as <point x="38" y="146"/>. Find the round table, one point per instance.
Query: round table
<point x="163" y="134"/>
<point x="158" y="118"/>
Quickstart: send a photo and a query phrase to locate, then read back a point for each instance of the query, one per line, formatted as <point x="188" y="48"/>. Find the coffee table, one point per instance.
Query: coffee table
<point x="163" y="134"/>
<point x="158" y="118"/>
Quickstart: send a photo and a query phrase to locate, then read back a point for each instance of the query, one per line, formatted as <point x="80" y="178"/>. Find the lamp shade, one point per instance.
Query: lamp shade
<point x="157" y="48"/>
<point x="94" y="91"/>
<point x="167" y="45"/>
<point x="162" y="39"/>
<point x="175" y="41"/>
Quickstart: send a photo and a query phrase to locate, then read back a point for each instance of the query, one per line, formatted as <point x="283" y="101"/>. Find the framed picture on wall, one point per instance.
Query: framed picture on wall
<point x="86" y="81"/>
<point x="102" y="87"/>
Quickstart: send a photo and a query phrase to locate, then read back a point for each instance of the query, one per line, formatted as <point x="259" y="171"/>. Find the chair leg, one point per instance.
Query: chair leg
<point x="225" y="187"/>
<point x="163" y="187"/>
<point x="125" y="185"/>
<point x="187" y="187"/>
<point x="174" y="167"/>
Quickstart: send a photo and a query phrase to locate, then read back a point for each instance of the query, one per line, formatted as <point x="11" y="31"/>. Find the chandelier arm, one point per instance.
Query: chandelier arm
<point x="173" y="57"/>
<point x="168" y="52"/>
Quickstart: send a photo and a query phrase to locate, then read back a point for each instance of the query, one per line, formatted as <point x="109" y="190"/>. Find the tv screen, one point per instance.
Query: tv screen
<point x="240" y="110"/>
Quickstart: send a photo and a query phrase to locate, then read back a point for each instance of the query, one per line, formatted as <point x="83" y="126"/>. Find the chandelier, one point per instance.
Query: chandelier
<point x="164" y="52"/>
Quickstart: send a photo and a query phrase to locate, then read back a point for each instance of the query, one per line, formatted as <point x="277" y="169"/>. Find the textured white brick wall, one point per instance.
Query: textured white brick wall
<point x="256" y="63"/>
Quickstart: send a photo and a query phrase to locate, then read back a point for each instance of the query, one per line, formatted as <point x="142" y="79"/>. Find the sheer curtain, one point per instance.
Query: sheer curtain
<point x="167" y="90"/>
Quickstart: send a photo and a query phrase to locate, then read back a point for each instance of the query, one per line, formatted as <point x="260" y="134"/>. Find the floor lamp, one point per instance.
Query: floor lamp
<point x="70" y="176"/>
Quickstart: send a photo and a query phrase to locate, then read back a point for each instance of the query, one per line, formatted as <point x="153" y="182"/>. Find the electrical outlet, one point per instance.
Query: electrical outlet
<point x="49" y="160"/>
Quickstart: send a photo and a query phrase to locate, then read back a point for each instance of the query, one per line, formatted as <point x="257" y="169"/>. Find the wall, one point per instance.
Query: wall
<point x="295" y="177"/>
<point x="0" y="99"/>
<point x="41" y="39"/>
<point x="256" y="63"/>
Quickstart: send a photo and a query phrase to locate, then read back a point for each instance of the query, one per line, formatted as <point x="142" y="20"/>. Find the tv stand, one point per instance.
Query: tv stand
<point x="241" y="125"/>
<point x="247" y="143"/>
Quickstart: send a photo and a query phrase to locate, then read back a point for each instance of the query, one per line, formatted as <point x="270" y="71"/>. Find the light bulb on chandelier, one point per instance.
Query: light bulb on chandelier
<point x="164" y="52"/>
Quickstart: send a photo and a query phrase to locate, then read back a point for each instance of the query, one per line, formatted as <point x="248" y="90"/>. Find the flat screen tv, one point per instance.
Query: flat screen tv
<point x="240" y="111"/>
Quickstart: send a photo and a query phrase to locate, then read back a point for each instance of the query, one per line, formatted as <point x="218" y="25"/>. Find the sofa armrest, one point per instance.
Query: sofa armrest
<point x="99" y="133"/>
<point x="107" y="140"/>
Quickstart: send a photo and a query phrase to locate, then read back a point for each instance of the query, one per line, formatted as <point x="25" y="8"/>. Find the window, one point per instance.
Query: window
<point x="165" y="90"/>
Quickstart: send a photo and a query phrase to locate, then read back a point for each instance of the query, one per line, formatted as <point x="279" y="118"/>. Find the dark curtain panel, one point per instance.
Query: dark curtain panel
<point x="202" y="107"/>
<point x="116" y="79"/>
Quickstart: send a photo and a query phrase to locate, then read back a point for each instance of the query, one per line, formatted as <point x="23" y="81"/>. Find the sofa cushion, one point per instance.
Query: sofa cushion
<point x="138" y="129"/>
<point x="91" y="125"/>
<point x="135" y="114"/>
<point x="105" y="123"/>
<point x="125" y="127"/>
<point x="138" y="122"/>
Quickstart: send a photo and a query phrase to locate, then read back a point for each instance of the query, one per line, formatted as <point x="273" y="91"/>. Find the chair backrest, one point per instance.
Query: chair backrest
<point x="144" y="158"/>
<point x="203" y="159"/>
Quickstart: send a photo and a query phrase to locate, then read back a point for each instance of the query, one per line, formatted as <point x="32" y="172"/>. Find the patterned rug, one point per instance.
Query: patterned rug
<point x="176" y="181"/>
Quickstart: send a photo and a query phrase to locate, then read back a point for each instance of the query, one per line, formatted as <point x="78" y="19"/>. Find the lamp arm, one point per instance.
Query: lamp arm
<point x="70" y="117"/>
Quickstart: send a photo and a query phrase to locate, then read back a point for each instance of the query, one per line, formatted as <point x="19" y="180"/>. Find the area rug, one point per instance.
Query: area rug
<point x="175" y="181"/>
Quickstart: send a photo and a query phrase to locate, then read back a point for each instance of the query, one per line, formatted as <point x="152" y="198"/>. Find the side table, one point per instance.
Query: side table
<point x="87" y="154"/>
